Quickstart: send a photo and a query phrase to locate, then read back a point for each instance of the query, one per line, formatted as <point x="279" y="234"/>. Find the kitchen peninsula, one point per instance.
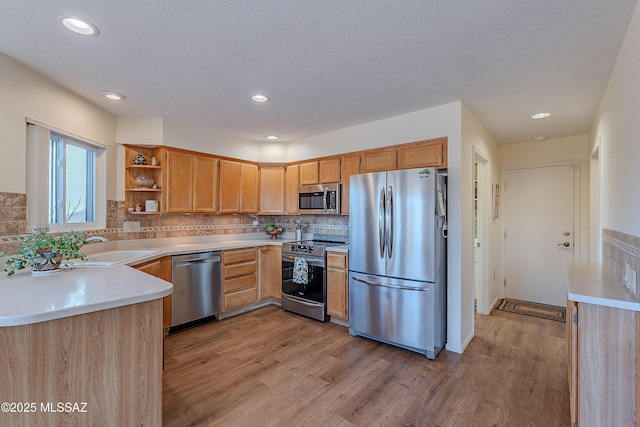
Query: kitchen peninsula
<point x="82" y="346"/>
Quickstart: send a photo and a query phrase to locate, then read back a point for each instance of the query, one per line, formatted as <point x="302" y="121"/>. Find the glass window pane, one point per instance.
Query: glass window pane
<point x="53" y="181"/>
<point x="78" y="183"/>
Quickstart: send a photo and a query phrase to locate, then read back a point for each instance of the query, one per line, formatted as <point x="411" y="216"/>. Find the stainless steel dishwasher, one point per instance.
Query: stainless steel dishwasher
<point x="197" y="287"/>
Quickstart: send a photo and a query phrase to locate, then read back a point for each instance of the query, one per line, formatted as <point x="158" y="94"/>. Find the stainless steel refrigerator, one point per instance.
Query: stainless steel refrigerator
<point x="398" y="258"/>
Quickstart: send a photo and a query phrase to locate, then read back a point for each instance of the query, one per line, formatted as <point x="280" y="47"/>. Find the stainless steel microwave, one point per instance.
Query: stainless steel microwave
<point x="319" y="199"/>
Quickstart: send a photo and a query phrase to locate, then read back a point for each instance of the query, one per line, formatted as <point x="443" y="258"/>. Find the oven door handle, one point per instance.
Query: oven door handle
<point x="387" y="285"/>
<point x="302" y="300"/>
<point x="313" y="262"/>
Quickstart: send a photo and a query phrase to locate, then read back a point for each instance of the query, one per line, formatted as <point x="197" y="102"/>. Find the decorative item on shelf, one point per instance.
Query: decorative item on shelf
<point x="130" y="208"/>
<point x="151" y="206"/>
<point x="139" y="159"/>
<point x="138" y="207"/>
<point x="154" y="161"/>
<point x="144" y="181"/>
<point x="154" y="186"/>
<point x="273" y="231"/>
<point x="45" y="252"/>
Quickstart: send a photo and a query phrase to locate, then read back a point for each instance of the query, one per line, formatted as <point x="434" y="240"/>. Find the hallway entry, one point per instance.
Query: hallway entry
<point x="538" y="232"/>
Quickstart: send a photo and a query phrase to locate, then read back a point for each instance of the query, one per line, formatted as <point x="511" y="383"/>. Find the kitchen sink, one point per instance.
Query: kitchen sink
<point x="115" y="257"/>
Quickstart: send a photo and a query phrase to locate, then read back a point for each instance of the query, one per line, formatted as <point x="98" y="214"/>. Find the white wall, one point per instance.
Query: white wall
<point x="424" y="124"/>
<point x="476" y="139"/>
<point x="573" y="148"/>
<point x="444" y="120"/>
<point x="25" y="93"/>
<point x="617" y="126"/>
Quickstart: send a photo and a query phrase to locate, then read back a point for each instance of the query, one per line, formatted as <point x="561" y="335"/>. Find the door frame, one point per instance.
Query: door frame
<point x="504" y="194"/>
<point x="595" y="188"/>
<point x="484" y="192"/>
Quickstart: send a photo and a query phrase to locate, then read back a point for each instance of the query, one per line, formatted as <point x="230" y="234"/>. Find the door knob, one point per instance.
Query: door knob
<point x="565" y="244"/>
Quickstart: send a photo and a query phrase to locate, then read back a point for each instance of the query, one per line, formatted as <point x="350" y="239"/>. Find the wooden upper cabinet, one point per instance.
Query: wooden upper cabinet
<point x="249" y="193"/>
<point x="291" y="183"/>
<point x="350" y="165"/>
<point x="379" y="160"/>
<point x="272" y="189"/>
<point x="179" y="186"/>
<point x="329" y="170"/>
<point x="309" y="173"/>
<point x="230" y="182"/>
<point x="205" y="184"/>
<point x="430" y="153"/>
<point x="238" y="187"/>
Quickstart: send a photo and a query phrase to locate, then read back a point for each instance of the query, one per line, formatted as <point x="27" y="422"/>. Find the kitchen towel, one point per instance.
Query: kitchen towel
<point x="300" y="271"/>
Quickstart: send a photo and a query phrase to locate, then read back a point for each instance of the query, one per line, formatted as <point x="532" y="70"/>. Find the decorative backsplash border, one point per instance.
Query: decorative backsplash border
<point x="13" y="223"/>
<point x="619" y="249"/>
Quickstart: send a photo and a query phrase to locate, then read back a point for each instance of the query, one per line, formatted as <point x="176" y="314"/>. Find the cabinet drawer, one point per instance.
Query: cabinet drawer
<point x="237" y="270"/>
<point x="239" y="255"/>
<point x="236" y="299"/>
<point x="337" y="261"/>
<point x="231" y="285"/>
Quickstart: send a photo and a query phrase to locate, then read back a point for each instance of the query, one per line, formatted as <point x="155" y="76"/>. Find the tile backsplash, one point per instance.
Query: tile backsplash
<point x="13" y="222"/>
<point x="619" y="249"/>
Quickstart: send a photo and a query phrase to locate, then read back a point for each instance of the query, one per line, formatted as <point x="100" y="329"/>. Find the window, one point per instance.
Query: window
<point x="71" y="181"/>
<point x="66" y="181"/>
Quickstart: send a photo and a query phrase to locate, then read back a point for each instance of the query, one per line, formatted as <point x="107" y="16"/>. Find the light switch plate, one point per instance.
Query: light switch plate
<point x="629" y="278"/>
<point x="130" y="226"/>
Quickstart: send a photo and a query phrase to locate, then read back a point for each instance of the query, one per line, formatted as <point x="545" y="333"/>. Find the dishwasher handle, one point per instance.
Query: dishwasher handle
<point x="201" y="260"/>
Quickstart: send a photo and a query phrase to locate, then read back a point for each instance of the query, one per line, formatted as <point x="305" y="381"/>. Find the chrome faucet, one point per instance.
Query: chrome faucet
<point x="95" y="239"/>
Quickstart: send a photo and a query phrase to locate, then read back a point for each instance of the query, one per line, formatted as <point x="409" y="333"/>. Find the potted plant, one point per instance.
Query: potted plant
<point x="44" y="251"/>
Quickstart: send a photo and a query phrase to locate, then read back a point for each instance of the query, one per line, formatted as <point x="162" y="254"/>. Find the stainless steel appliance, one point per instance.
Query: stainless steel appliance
<point x="310" y="298"/>
<point x="397" y="258"/>
<point x="319" y="199"/>
<point x="197" y="287"/>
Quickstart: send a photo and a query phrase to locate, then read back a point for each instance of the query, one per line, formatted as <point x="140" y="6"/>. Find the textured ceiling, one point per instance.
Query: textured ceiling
<point x="329" y="64"/>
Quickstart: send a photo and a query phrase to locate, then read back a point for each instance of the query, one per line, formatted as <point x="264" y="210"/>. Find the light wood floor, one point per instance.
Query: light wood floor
<point x="273" y="368"/>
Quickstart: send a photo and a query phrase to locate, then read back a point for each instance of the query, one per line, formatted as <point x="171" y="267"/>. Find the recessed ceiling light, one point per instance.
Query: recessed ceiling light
<point x="78" y="26"/>
<point x="272" y="137"/>
<point x="540" y="138"/>
<point x="113" y="95"/>
<point x="540" y="115"/>
<point x="260" y="98"/>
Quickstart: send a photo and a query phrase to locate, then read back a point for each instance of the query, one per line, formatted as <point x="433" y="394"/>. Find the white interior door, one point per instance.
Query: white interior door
<point x="539" y="232"/>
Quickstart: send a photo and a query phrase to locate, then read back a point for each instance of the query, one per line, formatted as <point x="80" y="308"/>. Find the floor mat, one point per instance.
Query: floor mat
<point x="534" y="309"/>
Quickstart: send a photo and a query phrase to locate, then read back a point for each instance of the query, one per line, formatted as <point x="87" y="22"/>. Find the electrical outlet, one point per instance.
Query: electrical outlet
<point x="131" y="226"/>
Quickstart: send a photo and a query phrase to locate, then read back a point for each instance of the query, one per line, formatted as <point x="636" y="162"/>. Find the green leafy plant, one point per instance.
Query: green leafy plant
<point x="39" y="247"/>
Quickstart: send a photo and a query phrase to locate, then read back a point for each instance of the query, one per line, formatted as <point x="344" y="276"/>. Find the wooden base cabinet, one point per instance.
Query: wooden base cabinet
<point x="160" y="268"/>
<point x="240" y="280"/>
<point x="107" y="364"/>
<point x="338" y="285"/>
<point x="603" y="364"/>
<point x="270" y="272"/>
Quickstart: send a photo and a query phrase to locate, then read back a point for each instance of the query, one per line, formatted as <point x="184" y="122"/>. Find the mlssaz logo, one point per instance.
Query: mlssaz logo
<point x="425" y="173"/>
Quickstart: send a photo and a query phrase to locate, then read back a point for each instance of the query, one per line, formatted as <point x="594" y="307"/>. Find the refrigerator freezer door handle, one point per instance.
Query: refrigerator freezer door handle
<point x="389" y="220"/>
<point x="386" y="285"/>
<point x="381" y="222"/>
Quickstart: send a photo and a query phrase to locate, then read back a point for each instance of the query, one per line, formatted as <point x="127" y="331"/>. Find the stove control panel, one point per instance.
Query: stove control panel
<point x="300" y="247"/>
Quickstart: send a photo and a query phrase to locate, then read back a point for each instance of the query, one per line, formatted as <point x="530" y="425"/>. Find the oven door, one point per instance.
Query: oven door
<point x="306" y="299"/>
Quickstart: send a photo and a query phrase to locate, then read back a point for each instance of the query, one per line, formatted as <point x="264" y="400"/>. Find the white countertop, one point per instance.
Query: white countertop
<point x="174" y="246"/>
<point x="592" y="283"/>
<point x="26" y="299"/>
<point x="341" y="248"/>
<point x="98" y="285"/>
